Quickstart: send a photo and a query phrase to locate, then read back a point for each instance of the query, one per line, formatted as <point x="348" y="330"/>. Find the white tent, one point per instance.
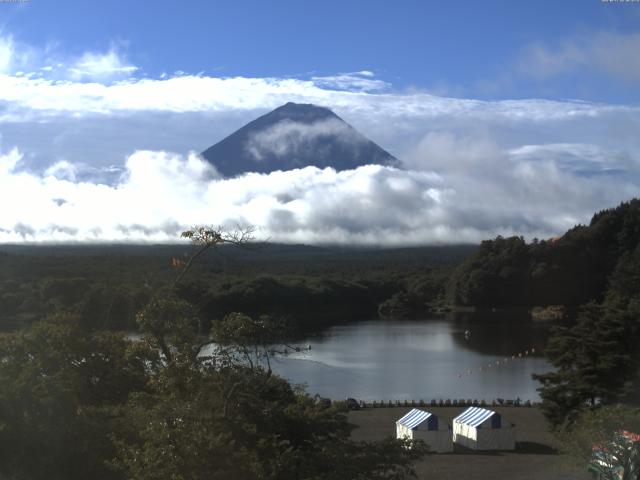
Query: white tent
<point x="481" y="429"/>
<point x="425" y="426"/>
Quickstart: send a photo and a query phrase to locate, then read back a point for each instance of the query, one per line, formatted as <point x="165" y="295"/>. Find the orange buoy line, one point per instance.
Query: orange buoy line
<point x="498" y="363"/>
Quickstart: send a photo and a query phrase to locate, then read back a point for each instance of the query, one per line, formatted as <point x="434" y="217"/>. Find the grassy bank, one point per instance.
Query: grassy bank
<point x="535" y="457"/>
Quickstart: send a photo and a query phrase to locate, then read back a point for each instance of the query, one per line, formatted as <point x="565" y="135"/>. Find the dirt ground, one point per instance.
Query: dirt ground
<point x="535" y="456"/>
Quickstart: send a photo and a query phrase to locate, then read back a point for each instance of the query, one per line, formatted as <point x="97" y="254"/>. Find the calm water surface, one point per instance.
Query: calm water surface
<point x="397" y="360"/>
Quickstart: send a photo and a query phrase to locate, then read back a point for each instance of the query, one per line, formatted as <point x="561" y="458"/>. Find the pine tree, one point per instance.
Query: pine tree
<point x="594" y="359"/>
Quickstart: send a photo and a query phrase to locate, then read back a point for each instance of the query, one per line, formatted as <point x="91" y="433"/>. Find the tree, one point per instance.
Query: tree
<point x="593" y="360"/>
<point x="61" y="387"/>
<point x="219" y="413"/>
<point x="607" y="439"/>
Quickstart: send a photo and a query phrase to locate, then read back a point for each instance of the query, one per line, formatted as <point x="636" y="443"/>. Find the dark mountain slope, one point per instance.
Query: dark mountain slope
<point x="294" y="136"/>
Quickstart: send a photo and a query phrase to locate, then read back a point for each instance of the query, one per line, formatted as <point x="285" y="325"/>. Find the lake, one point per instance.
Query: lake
<point x="422" y="359"/>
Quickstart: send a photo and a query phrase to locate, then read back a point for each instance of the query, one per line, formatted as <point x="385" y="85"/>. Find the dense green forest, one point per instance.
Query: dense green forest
<point x="80" y="403"/>
<point x="570" y="270"/>
<point x="310" y="286"/>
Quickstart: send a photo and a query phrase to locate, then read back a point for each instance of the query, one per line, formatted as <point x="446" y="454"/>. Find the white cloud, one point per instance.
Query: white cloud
<point x="6" y="53"/>
<point x="292" y="138"/>
<point x="604" y="53"/>
<point x="102" y="83"/>
<point x="160" y="194"/>
<point x="580" y="158"/>
<point x="190" y="93"/>
<point x="62" y="170"/>
<point x="447" y="151"/>
<point x="14" y="56"/>
<point x="362" y="81"/>
<point x="101" y="66"/>
<point x="22" y="60"/>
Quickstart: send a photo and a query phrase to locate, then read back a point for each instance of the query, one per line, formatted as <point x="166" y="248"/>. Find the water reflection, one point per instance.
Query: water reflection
<point x="426" y="359"/>
<point x="499" y="333"/>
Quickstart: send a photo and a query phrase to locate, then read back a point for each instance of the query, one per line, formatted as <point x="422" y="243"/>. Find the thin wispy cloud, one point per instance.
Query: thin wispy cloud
<point x="363" y="81"/>
<point x="610" y="54"/>
<point x="289" y="138"/>
<point x="101" y="66"/>
<point x="53" y="65"/>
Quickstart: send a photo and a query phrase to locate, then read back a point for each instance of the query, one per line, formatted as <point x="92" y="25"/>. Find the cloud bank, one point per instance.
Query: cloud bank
<point x="159" y="194"/>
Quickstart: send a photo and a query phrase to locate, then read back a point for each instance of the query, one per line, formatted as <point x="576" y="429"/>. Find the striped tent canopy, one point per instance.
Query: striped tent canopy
<point x="414" y="418"/>
<point x="475" y="416"/>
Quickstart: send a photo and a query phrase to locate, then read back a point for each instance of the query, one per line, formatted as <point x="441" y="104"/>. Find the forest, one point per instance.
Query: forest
<point x="570" y="270"/>
<point x="312" y="287"/>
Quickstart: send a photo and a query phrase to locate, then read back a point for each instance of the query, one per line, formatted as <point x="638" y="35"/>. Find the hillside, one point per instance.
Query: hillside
<point x="570" y="270"/>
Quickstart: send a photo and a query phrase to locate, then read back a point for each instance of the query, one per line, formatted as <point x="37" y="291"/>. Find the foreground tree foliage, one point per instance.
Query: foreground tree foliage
<point x="62" y="388"/>
<point x="594" y="360"/>
<point x="218" y="413"/>
<point x="607" y="430"/>
<point x="77" y="404"/>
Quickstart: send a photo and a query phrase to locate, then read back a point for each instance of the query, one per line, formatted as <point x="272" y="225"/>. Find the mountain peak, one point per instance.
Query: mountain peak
<point x="294" y="106"/>
<point x="303" y="112"/>
<point x="295" y="135"/>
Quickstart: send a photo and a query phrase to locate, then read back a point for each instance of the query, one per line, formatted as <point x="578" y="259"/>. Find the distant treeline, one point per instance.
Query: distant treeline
<point x="313" y="287"/>
<point x="570" y="270"/>
<point x="105" y="286"/>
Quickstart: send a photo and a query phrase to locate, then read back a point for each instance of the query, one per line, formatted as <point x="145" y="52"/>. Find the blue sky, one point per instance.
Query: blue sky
<point x="455" y="48"/>
<point x="508" y="118"/>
